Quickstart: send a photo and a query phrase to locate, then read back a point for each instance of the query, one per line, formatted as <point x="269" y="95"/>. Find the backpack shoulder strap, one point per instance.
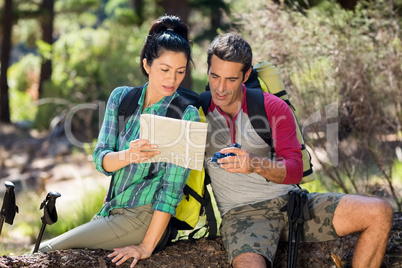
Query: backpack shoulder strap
<point x="126" y="108"/>
<point x="128" y="105"/>
<point x="205" y="101"/>
<point x="177" y="107"/>
<point x="257" y="114"/>
<point x="252" y="81"/>
<point x="190" y="95"/>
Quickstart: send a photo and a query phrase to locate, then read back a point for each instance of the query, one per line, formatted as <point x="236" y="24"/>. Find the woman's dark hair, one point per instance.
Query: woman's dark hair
<point x="231" y="47"/>
<point x="168" y="33"/>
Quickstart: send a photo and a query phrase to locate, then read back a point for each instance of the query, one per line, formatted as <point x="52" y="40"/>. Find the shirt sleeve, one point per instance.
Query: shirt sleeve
<point x="108" y="135"/>
<point x="286" y="144"/>
<point x="175" y="177"/>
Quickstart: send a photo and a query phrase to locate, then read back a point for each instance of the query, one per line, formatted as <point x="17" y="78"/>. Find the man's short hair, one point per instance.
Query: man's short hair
<point x="231" y="47"/>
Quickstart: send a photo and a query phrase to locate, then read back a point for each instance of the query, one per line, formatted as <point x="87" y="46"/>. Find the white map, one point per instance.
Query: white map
<point x="180" y="142"/>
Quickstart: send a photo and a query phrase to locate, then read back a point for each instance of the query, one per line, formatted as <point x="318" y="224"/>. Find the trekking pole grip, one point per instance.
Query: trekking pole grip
<point x="49" y="215"/>
<point x="49" y="206"/>
<point x="7" y="197"/>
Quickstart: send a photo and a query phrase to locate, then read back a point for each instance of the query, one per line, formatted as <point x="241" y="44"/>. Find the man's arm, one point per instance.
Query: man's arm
<point x="288" y="166"/>
<point x="244" y="162"/>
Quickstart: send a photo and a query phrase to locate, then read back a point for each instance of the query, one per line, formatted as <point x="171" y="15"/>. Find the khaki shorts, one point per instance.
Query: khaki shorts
<point x="259" y="227"/>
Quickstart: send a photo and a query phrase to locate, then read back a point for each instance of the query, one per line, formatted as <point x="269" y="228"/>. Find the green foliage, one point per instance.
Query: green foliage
<point x="77" y="7"/>
<point x="44" y="49"/>
<point x="125" y="13"/>
<point x="80" y="211"/>
<point x="22" y="107"/>
<point x="22" y="74"/>
<point x="26" y="32"/>
<point x="27" y="222"/>
<point x="198" y="73"/>
<point x="352" y="59"/>
<point x="119" y="10"/>
<point x="88" y="64"/>
<point x="23" y="81"/>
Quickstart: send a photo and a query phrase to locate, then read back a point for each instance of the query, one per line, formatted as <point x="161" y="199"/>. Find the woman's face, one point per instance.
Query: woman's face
<point x="165" y="73"/>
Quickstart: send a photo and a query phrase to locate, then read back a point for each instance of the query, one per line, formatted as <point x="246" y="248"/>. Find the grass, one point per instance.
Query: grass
<point x="27" y="222"/>
<point x="19" y="238"/>
<point x="375" y="185"/>
<point x="79" y="213"/>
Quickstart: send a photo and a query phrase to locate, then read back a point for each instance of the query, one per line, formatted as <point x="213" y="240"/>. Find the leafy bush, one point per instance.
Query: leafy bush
<point x="23" y="81"/>
<point x="343" y="70"/>
<point x="80" y="212"/>
<point x="87" y="65"/>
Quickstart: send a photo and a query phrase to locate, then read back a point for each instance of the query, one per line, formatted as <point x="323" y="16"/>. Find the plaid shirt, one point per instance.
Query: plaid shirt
<point x="165" y="190"/>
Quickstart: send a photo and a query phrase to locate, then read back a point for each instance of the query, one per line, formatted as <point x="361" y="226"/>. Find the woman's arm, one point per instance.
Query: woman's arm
<point x="107" y="157"/>
<point x="139" y="151"/>
<point x="108" y="135"/>
<point x="144" y="250"/>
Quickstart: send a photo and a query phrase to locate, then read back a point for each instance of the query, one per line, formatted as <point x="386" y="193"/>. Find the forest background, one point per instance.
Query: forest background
<point x="340" y="61"/>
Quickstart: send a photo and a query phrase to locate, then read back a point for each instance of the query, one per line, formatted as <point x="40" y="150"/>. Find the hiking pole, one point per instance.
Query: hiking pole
<point x="290" y="238"/>
<point x="296" y="249"/>
<point x="49" y="215"/>
<point x="298" y="211"/>
<point x="292" y="212"/>
<point x="304" y="215"/>
<point x="8" y="208"/>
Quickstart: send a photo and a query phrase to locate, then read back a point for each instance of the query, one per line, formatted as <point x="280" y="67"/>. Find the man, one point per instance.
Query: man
<point x="250" y="188"/>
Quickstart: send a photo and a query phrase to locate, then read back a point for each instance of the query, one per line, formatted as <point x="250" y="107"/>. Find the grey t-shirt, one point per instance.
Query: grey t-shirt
<point x="236" y="189"/>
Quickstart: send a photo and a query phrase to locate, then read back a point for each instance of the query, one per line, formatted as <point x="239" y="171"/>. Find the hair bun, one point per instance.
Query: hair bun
<point x="168" y="33"/>
<point x="169" y="23"/>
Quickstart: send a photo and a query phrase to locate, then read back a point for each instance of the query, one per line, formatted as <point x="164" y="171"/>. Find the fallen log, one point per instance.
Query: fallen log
<point x="211" y="253"/>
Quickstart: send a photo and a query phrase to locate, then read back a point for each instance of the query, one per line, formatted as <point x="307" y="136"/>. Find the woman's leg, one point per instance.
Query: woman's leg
<point x="123" y="227"/>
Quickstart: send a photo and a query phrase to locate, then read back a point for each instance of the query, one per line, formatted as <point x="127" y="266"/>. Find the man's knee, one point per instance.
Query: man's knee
<point x="383" y="210"/>
<point x="355" y="213"/>
<point x="378" y="210"/>
<point x="250" y="259"/>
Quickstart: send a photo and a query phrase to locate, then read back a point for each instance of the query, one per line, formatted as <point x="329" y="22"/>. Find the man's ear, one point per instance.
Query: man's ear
<point x="246" y="75"/>
<point x="145" y="64"/>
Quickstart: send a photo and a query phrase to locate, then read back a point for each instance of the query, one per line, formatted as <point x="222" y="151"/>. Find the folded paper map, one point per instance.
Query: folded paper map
<point x="180" y="142"/>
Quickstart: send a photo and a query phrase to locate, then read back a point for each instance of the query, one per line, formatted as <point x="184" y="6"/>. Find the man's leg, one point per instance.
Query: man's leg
<point x="251" y="233"/>
<point x="372" y="218"/>
<point x="249" y="260"/>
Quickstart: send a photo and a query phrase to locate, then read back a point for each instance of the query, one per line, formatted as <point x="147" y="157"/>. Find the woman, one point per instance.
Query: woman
<point x="133" y="222"/>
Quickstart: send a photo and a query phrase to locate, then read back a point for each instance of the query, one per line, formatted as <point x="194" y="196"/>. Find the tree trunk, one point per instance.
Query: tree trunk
<point x="180" y="8"/>
<point x="138" y="6"/>
<point x="348" y="4"/>
<point x="216" y="17"/>
<point x="211" y="253"/>
<point x="47" y="8"/>
<point x="5" y="58"/>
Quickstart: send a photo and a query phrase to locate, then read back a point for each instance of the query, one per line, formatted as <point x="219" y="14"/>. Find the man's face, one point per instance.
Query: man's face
<point x="225" y="82"/>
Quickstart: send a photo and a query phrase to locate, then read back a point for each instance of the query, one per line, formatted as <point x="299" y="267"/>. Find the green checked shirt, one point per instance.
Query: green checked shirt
<point x="165" y="190"/>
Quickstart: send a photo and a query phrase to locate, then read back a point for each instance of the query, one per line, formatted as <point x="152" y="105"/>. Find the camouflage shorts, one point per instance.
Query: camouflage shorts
<point x="259" y="227"/>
